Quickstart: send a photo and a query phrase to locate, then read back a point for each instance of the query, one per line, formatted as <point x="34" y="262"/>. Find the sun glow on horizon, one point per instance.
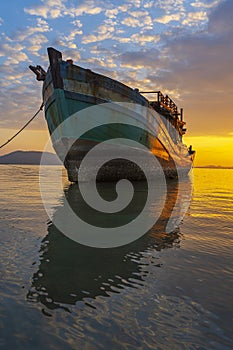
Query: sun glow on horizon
<point x="211" y="150"/>
<point x="28" y="140"/>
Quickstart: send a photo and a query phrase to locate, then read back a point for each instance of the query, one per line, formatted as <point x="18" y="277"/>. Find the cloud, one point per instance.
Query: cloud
<point x="124" y="7"/>
<point x="201" y="4"/>
<point x="139" y="13"/>
<point x="121" y="39"/>
<point x="103" y="32"/>
<point x="35" y="43"/>
<point x="195" y="18"/>
<point x="136" y="3"/>
<point x="38" y="11"/>
<point x="73" y="54"/>
<point x="138" y="38"/>
<point x="29" y="40"/>
<point x="111" y="13"/>
<point x="138" y="19"/>
<point x="171" y="6"/>
<point x="132" y="22"/>
<point x="19" y="93"/>
<point x="14" y="54"/>
<point x="141" y="58"/>
<point x="95" y="38"/>
<point x="34" y="49"/>
<point x="106" y="62"/>
<point x="41" y="27"/>
<point x="142" y="39"/>
<point x="168" y="18"/>
<point x="105" y="28"/>
<point x="148" y="4"/>
<point x="115" y="12"/>
<point x="220" y="23"/>
<point x="86" y="8"/>
<point x="38" y="39"/>
<point x="77" y="23"/>
<point x="188" y="19"/>
<point x="48" y="9"/>
<point x="68" y="40"/>
<point x="56" y="8"/>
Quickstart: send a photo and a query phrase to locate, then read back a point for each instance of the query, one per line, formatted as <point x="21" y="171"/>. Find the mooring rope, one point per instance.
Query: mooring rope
<point x="25" y="125"/>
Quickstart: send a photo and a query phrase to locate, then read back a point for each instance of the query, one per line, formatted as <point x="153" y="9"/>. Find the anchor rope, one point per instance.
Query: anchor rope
<point x="24" y="126"/>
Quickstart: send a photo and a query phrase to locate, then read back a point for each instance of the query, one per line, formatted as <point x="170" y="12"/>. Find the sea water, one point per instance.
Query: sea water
<point x="163" y="291"/>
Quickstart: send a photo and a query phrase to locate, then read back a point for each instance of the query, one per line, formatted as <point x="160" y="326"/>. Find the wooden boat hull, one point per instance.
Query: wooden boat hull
<point x="69" y="89"/>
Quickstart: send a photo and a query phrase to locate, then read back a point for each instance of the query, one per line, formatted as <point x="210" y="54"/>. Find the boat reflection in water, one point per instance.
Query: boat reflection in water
<point x="70" y="272"/>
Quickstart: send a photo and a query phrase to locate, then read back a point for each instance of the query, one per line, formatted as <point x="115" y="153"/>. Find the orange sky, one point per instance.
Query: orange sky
<point x="210" y="150"/>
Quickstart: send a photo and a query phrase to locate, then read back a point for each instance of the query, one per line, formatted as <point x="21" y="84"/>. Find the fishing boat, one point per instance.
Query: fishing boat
<point x="157" y="124"/>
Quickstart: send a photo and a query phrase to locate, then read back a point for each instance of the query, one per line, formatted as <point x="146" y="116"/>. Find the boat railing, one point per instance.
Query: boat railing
<point x="165" y="102"/>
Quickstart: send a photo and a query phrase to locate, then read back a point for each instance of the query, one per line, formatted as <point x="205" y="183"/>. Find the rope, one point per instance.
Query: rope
<point x="25" y="125"/>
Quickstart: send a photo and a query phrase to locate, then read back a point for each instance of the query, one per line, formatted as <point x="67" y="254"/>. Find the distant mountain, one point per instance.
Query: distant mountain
<point x="213" y="167"/>
<point x="29" y="157"/>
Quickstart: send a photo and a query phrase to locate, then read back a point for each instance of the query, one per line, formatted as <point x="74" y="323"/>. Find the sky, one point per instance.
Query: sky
<point x="182" y="47"/>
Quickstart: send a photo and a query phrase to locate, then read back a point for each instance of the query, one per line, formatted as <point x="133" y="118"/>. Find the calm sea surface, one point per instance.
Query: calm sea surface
<point x="164" y="291"/>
